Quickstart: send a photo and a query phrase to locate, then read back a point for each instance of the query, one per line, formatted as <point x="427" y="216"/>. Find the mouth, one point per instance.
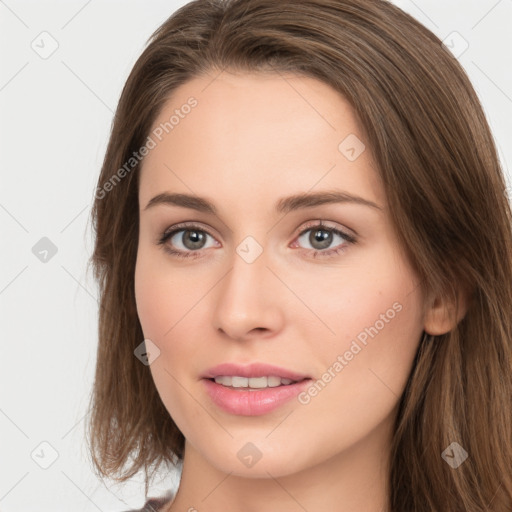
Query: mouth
<point x="247" y="401"/>
<point x="252" y="390"/>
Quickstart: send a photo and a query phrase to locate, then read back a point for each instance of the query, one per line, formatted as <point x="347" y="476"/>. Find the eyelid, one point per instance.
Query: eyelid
<point x="315" y="223"/>
<point x="349" y="234"/>
<point x="187" y="225"/>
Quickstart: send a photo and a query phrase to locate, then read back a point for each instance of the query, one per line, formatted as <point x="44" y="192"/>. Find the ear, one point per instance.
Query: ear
<point x="444" y="312"/>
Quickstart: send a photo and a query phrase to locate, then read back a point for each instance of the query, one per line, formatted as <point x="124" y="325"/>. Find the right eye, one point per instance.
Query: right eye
<point x="192" y="239"/>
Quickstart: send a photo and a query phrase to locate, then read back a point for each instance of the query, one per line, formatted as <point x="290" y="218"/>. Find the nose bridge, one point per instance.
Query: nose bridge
<point x="246" y="297"/>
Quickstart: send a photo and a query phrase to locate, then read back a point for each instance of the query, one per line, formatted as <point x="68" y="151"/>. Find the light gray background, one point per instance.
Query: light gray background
<point x="55" y="119"/>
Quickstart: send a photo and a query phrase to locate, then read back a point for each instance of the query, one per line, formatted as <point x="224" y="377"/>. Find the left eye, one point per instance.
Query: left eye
<point x="322" y="237"/>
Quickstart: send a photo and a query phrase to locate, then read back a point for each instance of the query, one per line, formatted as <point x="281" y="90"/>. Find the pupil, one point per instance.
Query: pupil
<point x="325" y="239"/>
<point x="194" y="241"/>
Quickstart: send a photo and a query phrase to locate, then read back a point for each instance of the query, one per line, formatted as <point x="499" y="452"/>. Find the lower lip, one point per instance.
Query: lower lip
<point x="252" y="403"/>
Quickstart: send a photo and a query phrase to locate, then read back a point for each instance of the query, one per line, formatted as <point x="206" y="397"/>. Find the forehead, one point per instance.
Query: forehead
<point x="243" y="103"/>
<point x="246" y="131"/>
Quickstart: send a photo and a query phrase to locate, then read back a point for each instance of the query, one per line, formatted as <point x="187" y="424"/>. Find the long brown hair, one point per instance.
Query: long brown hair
<point x="446" y="194"/>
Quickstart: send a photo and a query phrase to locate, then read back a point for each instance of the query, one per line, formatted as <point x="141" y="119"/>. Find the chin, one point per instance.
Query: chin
<point x="256" y="459"/>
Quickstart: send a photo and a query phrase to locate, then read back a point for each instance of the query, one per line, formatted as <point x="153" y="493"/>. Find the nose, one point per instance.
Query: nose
<point x="249" y="300"/>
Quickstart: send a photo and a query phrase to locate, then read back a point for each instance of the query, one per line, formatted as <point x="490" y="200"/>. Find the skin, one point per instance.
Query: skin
<point x="251" y="140"/>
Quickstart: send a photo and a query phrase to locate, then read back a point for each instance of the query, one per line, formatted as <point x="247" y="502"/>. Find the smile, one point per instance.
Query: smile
<point x="246" y="401"/>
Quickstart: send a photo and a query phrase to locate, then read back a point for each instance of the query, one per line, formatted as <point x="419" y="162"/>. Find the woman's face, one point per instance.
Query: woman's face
<point x="255" y="280"/>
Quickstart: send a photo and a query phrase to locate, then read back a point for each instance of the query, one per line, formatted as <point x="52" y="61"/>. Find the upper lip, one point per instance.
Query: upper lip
<point x="253" y="370"/>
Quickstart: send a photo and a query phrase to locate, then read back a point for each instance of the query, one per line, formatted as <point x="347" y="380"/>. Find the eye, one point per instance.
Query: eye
<point x="189" y="239"/>
<point x="321" y="237"/>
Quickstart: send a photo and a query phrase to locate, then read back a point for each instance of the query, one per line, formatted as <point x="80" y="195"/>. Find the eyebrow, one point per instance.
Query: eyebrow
<point x="283" y="205"/>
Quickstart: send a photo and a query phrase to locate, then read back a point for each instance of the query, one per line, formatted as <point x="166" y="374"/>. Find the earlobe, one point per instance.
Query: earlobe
<point x="444" y="313"/>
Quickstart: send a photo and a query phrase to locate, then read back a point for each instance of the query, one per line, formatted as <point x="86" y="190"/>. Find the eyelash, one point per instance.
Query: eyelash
<point x="166" y="235"/>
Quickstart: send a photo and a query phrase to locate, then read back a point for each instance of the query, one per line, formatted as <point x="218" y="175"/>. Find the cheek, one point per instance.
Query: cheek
<point x="165" y="306"/>
<point x="169" y="306"/>
<point x="160" y="295"/>
<point x="375" y="297"/>
<point x="367" y="330"/>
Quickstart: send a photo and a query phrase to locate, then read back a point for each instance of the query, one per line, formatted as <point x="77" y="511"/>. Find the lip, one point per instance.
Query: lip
<point x="252" y="403"/>
<point x="253" y="370"/>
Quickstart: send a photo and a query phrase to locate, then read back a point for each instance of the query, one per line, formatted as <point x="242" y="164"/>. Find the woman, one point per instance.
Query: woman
<point x="304" y="252"/>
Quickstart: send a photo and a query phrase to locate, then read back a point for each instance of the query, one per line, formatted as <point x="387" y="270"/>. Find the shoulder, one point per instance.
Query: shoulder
<point x="156" y="504"/>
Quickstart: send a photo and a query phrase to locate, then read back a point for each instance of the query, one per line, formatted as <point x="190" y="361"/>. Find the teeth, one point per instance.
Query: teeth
<point x="253" y="382"/>
<point x="273" y="381"/>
